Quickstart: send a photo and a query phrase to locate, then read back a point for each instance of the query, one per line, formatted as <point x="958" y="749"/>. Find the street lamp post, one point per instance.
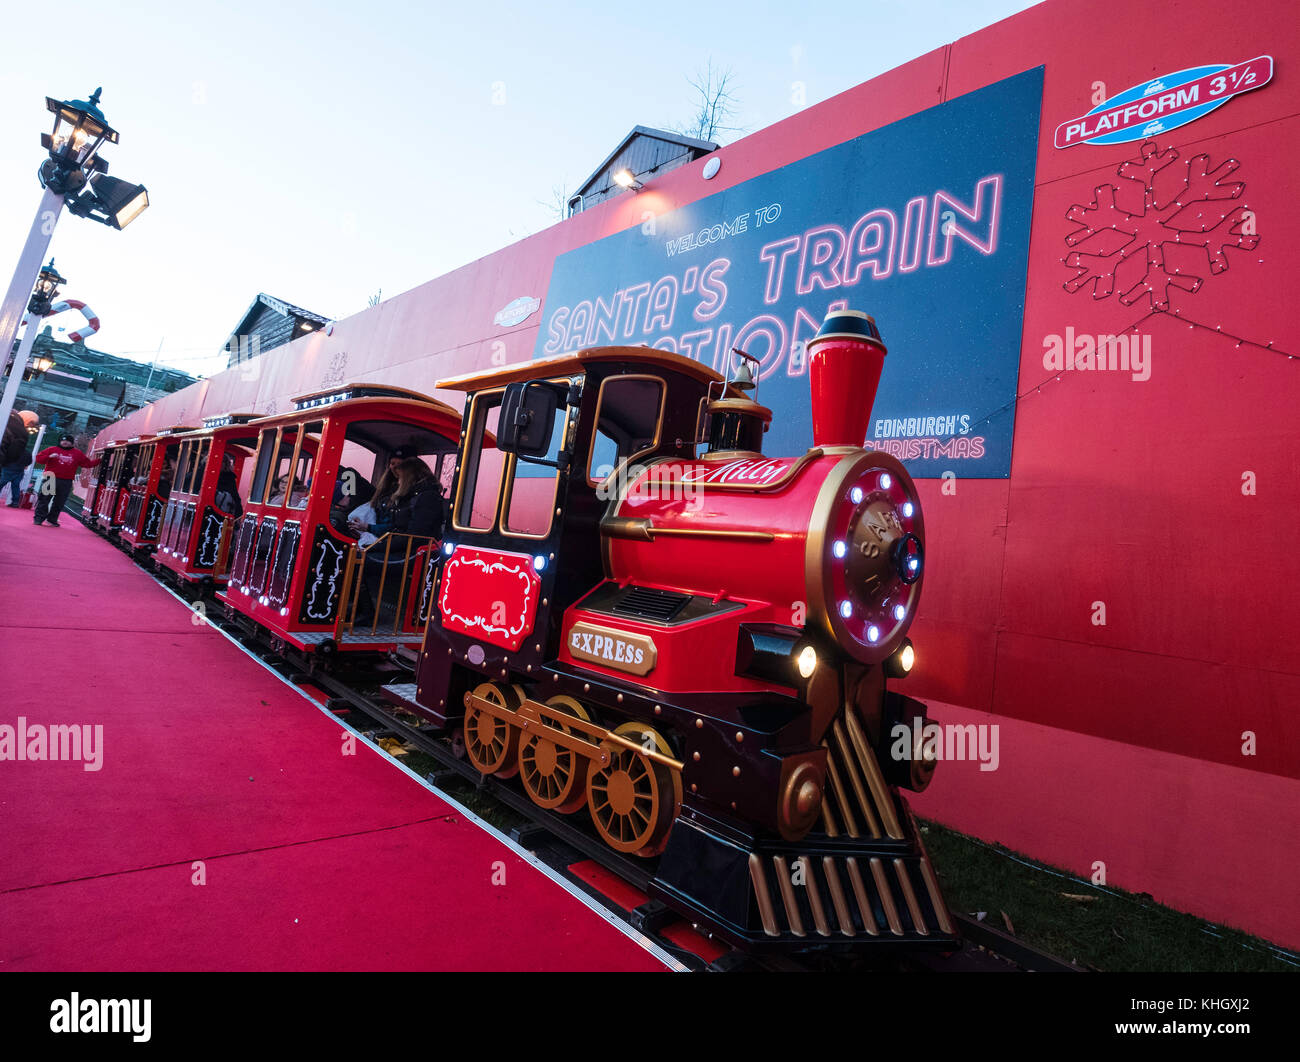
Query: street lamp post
<point x="38" y="306"/>
<point x="74" y="175"/>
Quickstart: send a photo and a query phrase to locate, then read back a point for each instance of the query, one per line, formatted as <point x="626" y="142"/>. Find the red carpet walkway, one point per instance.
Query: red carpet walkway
<point x="225" y="828"/>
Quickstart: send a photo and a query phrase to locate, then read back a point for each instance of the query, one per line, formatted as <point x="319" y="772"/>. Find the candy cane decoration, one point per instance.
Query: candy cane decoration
<point x="92" y="322"/>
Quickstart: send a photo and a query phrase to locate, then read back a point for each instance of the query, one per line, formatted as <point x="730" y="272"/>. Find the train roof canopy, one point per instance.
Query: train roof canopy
<point x="359" y="390"/>
<point x="567" y="364"/>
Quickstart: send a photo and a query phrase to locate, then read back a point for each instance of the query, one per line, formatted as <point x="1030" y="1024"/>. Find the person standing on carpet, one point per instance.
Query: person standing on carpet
<point x="13" y="454"/>
<point x="61" y="463"/>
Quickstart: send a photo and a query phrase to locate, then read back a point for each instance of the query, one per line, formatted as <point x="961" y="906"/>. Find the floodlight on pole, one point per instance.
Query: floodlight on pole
<point x="625" y="178"/>
<point x="73" y="174"/>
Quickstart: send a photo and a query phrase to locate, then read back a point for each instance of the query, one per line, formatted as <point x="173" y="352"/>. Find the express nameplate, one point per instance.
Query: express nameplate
<point x="621" y="650"/>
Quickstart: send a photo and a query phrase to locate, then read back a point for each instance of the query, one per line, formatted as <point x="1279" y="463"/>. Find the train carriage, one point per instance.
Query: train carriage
<point x="694" y="648"/>
<point x="117" y="467"/>
<point x="203" y="508"/>
<point x="294" y="570"/>
<point x="148" y="488"/>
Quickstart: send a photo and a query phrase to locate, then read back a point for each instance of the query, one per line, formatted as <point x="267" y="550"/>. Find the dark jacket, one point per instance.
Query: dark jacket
<point x="422" y="512"/>
<point x="13" y="446"/>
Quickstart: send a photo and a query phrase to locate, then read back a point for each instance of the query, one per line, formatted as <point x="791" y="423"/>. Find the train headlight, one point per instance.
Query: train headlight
<point x="807" y="661"/>
<point x="902" y="661"/>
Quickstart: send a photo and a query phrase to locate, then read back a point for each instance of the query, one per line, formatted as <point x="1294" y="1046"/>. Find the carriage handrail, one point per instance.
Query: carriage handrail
<point x="353" y="580"/>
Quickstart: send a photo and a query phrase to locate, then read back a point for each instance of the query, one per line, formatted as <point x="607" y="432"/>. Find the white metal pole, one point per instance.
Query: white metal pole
<point x="29" y="475"/>
<point x="20" y="291"/>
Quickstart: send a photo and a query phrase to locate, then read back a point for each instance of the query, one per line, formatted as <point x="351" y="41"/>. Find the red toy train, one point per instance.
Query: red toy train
<point x="688" y="650"/>
<point x="694" y="649"/>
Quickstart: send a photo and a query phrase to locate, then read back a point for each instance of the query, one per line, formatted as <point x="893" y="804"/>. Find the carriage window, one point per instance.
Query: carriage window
<point x="193" y="479"/>
<point x="282" y="486"/>
<point x="306" y="465"/>
<point x="480" y="482"/>
<point x="167" y="475"/>
<point x="184" y="464"/>
<point x="532" y="489"/>
<point x="628" y="414"/>
<point x="265" y="453"/>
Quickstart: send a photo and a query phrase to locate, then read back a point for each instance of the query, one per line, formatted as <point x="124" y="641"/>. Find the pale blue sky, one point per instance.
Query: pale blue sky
<point x="320" y="152"/>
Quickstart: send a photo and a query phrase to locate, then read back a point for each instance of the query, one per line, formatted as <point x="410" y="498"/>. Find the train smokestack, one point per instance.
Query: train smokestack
<point x="845" y="360"/>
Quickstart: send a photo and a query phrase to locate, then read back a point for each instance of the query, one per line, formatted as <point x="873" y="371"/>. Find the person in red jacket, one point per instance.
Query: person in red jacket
<point x="61" y="463"/>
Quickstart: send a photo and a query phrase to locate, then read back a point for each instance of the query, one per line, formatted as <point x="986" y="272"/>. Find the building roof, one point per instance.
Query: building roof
<point x="78" y="360"/>
<point x="688" y="143"/>
<point x="288" y="309"/>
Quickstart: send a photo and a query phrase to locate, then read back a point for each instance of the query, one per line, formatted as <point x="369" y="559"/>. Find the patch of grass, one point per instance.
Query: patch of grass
<point x="481" y="803"/>
<point x="1113" y="930"/>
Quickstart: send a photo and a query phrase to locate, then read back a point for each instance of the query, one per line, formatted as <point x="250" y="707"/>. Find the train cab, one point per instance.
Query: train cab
<point x="149" y="487"/>
<point x="314" y="563"/>
<point x="526" y="520"/>
<point x="212" y="465"/>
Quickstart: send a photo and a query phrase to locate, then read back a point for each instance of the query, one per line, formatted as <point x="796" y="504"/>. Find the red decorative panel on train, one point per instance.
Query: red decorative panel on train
<point x="490" y="594"/>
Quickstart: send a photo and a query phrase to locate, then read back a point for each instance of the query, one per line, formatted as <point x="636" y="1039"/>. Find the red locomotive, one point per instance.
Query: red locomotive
<point x="693" y="649"/>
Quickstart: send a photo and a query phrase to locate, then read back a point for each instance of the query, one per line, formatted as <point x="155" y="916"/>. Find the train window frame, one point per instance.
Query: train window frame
<point x="201" y="451"/>
<point x="256" y="496"/>
<point x="508" y="486"/>
<point x="304" y="432"/>
<point x="623" y="462"/>
<point x="184" y="468"/>
<point x="473" y="440"/>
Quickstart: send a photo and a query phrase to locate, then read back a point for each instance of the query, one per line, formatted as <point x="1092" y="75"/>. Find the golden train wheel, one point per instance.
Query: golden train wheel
<point x="634" y="800"/>
<point x="554" y="777"/>
<point x="492" y="744"/>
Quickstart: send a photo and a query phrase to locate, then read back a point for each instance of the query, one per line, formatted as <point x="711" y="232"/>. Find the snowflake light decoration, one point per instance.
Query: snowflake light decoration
<point x="1188" y="205"/>
<point x="338" y="368"/>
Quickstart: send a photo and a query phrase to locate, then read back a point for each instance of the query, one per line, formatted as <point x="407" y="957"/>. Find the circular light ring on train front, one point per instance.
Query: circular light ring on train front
<point x="448" y="548"/>
<point x="539" y="562"/>
<point x="873" y="613"/>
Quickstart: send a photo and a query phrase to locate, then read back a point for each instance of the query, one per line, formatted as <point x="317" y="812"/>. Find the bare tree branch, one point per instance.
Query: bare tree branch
<point x="714" y="105"/>
<point x="558" y="205"/>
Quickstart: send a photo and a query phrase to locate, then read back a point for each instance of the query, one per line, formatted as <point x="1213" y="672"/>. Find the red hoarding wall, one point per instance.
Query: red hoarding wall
<point x="1135" y="578"/>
